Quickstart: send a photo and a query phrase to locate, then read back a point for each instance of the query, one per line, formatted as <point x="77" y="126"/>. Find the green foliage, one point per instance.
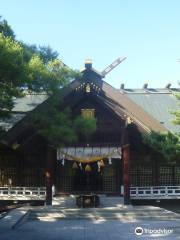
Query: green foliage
<point x="47" y="54"/>
<point x="55" y="126"/>
<point x="167" y="144"/>
<point x="44" y="52"/>
<point x="85" y="126"/>
<point x="176" y="113"/>
<point x="11" y="72"/>
<point x="16" y="73"/>
<point x="47" y="78"/>
<point x="5" y="29"/>
<point x="35" y="69"/>
<point x="58" y="127"/>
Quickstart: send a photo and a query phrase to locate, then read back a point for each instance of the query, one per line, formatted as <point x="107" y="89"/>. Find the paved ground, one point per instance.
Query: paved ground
<point x="107" y="223"/>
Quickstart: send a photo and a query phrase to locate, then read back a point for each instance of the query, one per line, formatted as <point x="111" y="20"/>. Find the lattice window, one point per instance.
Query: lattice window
<point x="177" y="175"/>
<point x="141" y="176"/>
<point x="109" y="178"/>
<point x="166" y="175"/>
<point x="65" y="183"/>
<point x="109" y="184"/>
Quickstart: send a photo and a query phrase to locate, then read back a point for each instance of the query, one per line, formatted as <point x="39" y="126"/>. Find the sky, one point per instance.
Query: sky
<point x="146" y="32"/>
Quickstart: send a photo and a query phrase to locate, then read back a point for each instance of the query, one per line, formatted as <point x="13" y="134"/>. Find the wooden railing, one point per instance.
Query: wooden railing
<point x="155" y="192"/>
<point x="22" y="193"/>
<point x="39" y="193"/>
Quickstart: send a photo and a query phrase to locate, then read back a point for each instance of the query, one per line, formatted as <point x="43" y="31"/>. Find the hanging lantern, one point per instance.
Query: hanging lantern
<point x="75" y="166"/>
<point x="88" y="168"/>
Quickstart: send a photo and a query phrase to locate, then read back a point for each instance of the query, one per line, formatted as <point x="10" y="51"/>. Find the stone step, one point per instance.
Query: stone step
<point x="111" y="201"/>
<point x="104" y="213"/>
<point x="70" y="201"/>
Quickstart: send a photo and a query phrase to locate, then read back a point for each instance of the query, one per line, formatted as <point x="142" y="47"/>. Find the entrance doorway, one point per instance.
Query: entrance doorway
<point x="88" y="181"/>
<point x="108" y="180"/>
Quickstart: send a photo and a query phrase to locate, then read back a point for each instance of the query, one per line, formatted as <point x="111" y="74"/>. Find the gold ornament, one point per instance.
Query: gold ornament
<point x="75" y="166"/>
<point x="88" y="168"/>
<point x="88" y="88"/>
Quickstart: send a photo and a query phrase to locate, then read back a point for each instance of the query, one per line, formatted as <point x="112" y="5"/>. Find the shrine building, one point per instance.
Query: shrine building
<point x="114" y="161"/>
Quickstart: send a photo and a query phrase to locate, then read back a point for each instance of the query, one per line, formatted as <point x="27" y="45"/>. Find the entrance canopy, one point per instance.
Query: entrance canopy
<point x="88" y="154"/>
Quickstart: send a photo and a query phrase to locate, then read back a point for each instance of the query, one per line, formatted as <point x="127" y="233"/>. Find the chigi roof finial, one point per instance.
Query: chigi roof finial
<point x="168" y="85"/>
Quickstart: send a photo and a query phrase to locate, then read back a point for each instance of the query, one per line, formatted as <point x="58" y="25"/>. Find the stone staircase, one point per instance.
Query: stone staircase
<point x="112" y="208"/>
<point x="109" y="201"/>
<point x="105" y="201"/>
<point x="132" y="214"/>
<point x="64" y="201"/>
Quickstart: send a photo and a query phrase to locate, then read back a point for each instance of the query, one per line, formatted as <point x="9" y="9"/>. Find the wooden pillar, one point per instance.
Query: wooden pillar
<point x="126" y="180"/>
<point x="126" y="163"/>
<point x="49" y="176"/>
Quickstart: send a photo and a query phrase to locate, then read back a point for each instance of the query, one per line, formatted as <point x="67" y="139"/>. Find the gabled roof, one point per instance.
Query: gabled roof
<point x="134" y="111"/>
<point x="21" y="107"/>
<point x="140" y="106"/>
<point x="84" y="70"/>
<point x="158" y="103"/>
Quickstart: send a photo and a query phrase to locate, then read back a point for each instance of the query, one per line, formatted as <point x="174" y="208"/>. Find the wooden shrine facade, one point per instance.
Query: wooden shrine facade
<point x="29" y="161"/>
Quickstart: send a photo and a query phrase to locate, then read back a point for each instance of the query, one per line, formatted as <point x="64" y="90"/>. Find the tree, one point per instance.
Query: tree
<point x="12" y="72"/>
<point x="44" y="52"/>
<point x="85" y="126"/>
<point x="27" y="67"/>
<point x="17" y="73"/>
<point x="167" y="144"/>
<point x="47" y="78"/>
<point x="36" y="69"/>
<point x="6" y="29"/>
<point x="177" y="113"/>
<point x="60" y="127"/>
